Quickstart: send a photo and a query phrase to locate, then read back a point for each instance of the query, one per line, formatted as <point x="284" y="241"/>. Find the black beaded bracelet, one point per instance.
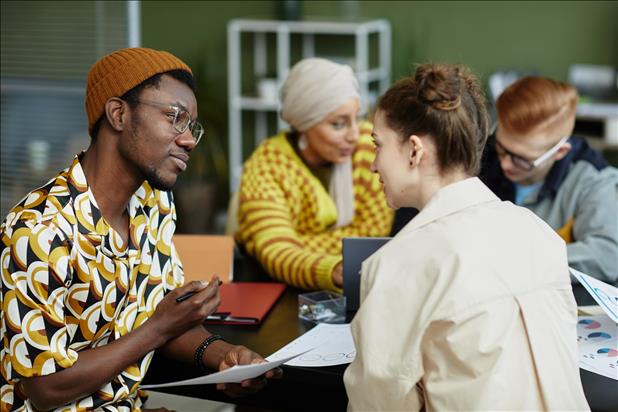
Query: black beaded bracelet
<point x="199" y="352"/>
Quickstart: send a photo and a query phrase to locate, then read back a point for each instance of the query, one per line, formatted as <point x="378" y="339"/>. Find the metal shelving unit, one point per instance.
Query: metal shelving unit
<point x="283" y="30"/>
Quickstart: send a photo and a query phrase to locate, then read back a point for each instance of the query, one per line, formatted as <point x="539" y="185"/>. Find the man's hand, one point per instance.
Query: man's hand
<point x="239" y="355"/>
<point x="173" y="318"/>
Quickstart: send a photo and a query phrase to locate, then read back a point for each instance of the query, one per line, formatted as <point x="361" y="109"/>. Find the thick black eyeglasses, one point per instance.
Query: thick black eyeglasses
<point x="181" y="120"/>
<point x="524" y="163"/>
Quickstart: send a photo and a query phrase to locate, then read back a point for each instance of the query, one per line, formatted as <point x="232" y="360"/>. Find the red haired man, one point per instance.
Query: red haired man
<point x="534" y="161"/>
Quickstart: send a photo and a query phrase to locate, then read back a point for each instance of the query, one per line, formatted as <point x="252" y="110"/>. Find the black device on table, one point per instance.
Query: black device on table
<point x="354" y="251"/>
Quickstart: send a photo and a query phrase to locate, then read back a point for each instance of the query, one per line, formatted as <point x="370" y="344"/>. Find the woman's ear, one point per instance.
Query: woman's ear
<point x="115" y="112"/>
<point x="416" y="150"/>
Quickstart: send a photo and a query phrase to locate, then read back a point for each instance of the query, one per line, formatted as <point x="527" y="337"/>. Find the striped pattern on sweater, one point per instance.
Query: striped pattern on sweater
<point x="286" y="216"/>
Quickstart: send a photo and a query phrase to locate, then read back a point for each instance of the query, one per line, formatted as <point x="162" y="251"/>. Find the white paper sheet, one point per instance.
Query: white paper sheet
<point x="333" y="345"/>
<point x="605" y="295"/>
<point x="234" y="374"/>
<point x="597" y="341"/>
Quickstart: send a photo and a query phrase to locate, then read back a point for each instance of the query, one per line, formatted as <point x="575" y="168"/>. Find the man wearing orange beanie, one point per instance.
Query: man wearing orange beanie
<point x="90" y="276"/>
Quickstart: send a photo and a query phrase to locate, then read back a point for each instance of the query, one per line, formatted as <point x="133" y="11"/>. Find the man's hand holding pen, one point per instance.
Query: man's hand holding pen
<point x="187" y="306"/>
<point x="187" y="295"/>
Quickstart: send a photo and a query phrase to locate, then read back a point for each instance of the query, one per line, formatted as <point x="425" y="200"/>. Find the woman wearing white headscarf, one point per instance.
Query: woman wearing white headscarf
<point x="304" y="190"/>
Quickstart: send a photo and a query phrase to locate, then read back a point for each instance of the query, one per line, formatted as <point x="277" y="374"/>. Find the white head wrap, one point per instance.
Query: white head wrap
<point x="314" y="88"/>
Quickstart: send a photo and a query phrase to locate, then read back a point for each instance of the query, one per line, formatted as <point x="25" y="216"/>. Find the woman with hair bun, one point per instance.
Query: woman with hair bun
<point x="469" y="306"/>
<point x="304" y="190"/>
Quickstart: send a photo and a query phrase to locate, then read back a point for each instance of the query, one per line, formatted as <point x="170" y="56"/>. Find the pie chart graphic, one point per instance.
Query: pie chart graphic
<point x="589" y="323"/>
<point x="609" y="352"/>
<point x="599" y="336"/>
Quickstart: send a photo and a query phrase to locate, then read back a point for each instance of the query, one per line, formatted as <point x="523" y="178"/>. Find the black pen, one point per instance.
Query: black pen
<point x="187" y="295"/>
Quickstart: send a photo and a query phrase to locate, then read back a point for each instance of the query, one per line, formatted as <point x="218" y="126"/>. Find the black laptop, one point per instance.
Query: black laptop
<point x="355" y="251"/>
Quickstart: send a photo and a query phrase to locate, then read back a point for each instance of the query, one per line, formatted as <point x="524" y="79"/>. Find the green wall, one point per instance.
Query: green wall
<point x="196" y="31"/>
<point x="486" y="35"/>
<point x="547" y="36"/>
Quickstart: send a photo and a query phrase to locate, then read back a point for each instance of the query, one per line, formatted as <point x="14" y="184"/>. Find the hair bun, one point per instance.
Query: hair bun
<point x="439" y="86"/>
<point x="448" y="105"/>
<point x="444" y="103"/>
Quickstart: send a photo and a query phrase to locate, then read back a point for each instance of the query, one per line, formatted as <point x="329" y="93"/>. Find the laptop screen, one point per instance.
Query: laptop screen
<point x="355" y="251"/>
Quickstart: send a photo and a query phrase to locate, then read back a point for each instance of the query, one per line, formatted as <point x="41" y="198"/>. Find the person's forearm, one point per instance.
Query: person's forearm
<point x="595" y="257"/>
<point x="301" y="267"/>
<point x="183" y="348"/>
<point x="93" y="368"/>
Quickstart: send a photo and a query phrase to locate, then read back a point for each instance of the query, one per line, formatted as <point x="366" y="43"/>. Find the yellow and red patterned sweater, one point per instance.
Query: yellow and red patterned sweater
<point x="286" y="216"/>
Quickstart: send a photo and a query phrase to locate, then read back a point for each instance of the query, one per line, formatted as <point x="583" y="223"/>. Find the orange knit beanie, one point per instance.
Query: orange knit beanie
<point x="115" y="74"/>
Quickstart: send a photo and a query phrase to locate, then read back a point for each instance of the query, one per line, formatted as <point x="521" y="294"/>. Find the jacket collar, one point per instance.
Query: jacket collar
<point x="580" y="150"/>
<point x="451" y="199"/>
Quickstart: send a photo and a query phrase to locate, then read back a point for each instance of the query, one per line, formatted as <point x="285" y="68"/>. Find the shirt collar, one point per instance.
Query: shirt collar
<point x="452" y="199"/>
<point x="90" y="221"/>
<point x="89" y="218"/>
<point x="555" y="177"/>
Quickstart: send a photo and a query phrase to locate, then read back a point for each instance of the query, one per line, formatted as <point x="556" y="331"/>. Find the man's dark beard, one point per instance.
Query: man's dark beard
<point x="154" y="180"/>
<point x="150" y="173"/>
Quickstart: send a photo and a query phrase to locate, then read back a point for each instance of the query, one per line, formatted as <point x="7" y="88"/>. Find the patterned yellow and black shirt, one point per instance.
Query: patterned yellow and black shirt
<point x="69" y="284"/>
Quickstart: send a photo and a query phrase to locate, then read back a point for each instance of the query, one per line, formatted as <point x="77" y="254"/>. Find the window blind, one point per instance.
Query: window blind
<point x="47" y="48"/>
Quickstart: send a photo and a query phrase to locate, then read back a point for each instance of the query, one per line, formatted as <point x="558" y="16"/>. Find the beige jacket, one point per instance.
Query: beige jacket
<point x="469" y="307"/>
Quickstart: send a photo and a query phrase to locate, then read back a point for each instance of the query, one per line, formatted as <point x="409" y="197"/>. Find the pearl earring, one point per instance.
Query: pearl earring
<point x="302" y="143"/>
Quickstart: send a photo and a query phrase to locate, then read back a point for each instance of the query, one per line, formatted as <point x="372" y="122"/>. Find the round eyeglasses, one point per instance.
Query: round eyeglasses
<point x="181" y="119"/>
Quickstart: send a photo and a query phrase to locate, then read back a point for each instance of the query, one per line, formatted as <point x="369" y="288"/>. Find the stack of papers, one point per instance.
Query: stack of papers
<point x="329" y="344"/>
<point x="235" y="374"/>
<point x="597" y="336"/>
<point x="597" y="341"/>
<point x="605" y="295"/>
<point x="324" y="345"/>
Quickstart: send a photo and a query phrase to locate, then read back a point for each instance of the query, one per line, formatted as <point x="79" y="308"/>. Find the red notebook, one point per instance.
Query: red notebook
<point x="246" y="303"/>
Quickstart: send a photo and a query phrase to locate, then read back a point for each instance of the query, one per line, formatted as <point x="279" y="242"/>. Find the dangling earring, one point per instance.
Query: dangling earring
<point x="302" y="143"/>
